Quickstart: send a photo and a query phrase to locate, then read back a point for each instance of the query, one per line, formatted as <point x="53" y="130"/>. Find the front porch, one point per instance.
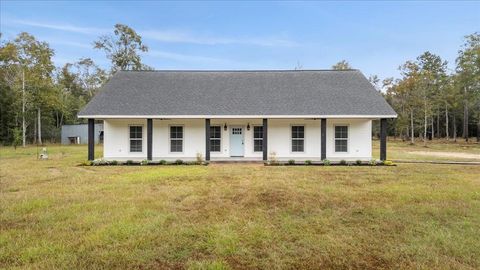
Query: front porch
<point x="238" y="139"/>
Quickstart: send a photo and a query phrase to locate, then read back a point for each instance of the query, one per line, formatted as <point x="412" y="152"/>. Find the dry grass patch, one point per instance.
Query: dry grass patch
<point x="54" y="214"/>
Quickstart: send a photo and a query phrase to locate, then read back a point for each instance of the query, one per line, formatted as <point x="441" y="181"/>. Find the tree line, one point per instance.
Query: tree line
<point x="37" y="98"/>
<point x="431" y="101"/>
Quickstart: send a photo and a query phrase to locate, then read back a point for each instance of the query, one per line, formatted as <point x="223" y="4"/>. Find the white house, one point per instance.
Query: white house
<point x="238" y="115"/>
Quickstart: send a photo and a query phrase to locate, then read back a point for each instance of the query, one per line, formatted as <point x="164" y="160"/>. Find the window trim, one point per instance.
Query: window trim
<point x="170" y="139"/>
<point x="221" y="139"/>
<point x="253" y="137"/>
<point x="347" y="139"/>
<point x="304" y="138"/>
<point x="129" y="139"/>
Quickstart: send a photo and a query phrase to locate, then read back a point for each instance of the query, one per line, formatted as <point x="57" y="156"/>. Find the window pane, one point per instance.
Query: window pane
<point x="176" y="145"/>
<point x="258" y="145"/>
<point x="297" y="132"/>
<point x="341" y="132"/>
<point x="176" y="132"/>
<point x="215" y="145"/>
<point x="341" y="145"/>
<point x="237" y="131"/>
<point x="258" y="132"/>
<point x="135" y="145"/>
<point x="215" y="132"/>
<point x="297" y="145"/>
<point x="135" y="132"/>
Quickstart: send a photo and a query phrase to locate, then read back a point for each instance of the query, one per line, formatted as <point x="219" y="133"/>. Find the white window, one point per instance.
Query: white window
<point x="298" y="138"/>
<point x="258" y="138"/>
<point x="176" y="139"/>
<point x="136" y="140"/>
<point x="215" y="138"/>
<point x="341" y="138"/>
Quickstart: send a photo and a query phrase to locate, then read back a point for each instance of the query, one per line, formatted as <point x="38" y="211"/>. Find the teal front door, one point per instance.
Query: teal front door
<point x="236" y="142"/>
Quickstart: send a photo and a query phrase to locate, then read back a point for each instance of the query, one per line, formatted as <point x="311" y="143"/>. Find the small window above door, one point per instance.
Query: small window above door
<point x="237" y="131"/>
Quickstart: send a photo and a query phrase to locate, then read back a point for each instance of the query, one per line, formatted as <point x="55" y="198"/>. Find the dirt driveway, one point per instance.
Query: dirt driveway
<point x="446" y="154"/>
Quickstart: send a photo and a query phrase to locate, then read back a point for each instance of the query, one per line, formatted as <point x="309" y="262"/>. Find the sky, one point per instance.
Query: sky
<point x="373" y="36"/>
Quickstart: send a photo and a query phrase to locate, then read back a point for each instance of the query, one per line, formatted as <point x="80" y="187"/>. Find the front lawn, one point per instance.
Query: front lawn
<point x="55" y="214"/>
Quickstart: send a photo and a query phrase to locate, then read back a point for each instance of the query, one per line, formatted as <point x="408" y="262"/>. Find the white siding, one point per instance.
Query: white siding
<point x="116" y="139"/>
<point x="280" y="139"/>
<point x="116" y="136"/>
<point x="359" y="139"/>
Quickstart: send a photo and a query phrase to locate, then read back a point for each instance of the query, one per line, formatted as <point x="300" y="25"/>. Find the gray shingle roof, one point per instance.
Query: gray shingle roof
<point x="305" y="92"/>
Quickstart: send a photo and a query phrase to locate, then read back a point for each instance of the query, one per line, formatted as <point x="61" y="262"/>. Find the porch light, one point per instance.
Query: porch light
<point x="248" y="126"/>
<point x="225" y="127"/>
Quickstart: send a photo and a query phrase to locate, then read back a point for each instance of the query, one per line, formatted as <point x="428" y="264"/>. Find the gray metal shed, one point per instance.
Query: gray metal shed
<point x="78" y="134"/>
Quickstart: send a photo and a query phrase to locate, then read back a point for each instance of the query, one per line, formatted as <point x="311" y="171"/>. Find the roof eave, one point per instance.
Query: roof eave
<point x="377" y="116"/>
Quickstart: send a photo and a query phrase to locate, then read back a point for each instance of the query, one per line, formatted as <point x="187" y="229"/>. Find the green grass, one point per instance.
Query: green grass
<point x="55" y="214"/>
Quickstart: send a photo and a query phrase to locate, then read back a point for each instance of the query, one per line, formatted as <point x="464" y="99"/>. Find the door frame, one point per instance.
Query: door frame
<point x="230" y="140"/>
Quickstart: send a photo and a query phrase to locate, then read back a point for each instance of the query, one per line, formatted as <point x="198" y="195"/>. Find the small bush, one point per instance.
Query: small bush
<point x="372" y="162"/>
<point x="308" y="162"/>
<point x="99" y="162"/>
<point x="113" y="162"/>
<point x="388" y="163"/>
<point x="272" y="159"/>
<point x="200" y="159"/>
<point x="17" y="137"/>
<point x="326" y="162"/>
<point x="163" y="162"/>
<point x="86" y="163"/>
<point x="358" y="162"/>
<point x="343" y="162"/>
<point x="129" y="162"/>
<point x="179" y="162"/>
<point x="144" y="162"/>
<point x="291" y="162"/>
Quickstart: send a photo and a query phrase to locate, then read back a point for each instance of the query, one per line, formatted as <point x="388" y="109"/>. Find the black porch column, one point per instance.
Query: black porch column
<point x="265" y="139"/>
<point x="207" y="139"/>
<point x="149" y="138"/>
<point x="91" y="139"/>
<point x="323" y="135"/>
<point x="383" y="139"/>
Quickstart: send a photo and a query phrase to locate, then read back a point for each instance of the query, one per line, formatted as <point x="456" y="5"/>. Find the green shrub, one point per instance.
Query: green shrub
<point x="291" y="162"/>
<point x="343" y="162"/>
<point x="358" y="162"/>
<point x="144" y="162"/>
<point x="179" y="162"/>
<point x="163" y="162"/>
<point x="372" y="162"/>
<point x="308" y="162"/>
<point x="113" y="162"/>
<point x="388" y="163"/>
<point x="129" y="162"/>
<point x="194" y="162"/>
<point x="17" y="137"/>
<point x="99" y="162"/>
<point x="86" y="163"/>
<point x="326" y="162"/>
